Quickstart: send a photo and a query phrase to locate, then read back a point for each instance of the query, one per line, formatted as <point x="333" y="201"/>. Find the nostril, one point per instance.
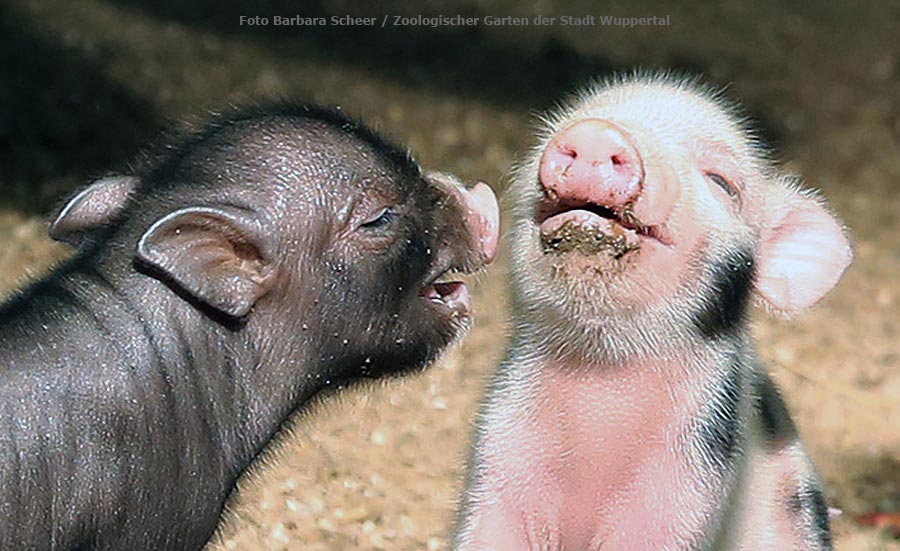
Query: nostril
<point x="592" y="158"/>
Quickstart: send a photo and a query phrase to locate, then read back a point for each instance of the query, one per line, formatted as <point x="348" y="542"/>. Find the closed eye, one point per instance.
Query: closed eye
<point x="720" y="181"/>
<point x="381" y="220"/>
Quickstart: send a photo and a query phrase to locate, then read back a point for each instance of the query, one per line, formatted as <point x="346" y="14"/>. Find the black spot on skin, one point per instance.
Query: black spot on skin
<point x="719" y="429"/>
<point x="723" y="311"/>
<point x="775" y="422"/>
<point x="808" y="502"/>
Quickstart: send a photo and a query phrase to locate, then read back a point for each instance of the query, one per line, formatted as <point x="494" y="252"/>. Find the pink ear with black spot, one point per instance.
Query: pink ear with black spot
<point x="802" y="255"/>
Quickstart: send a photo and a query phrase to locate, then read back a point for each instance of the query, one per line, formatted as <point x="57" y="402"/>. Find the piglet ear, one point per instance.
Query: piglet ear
<point x="802" y="255"/>
<point x="92" y="208"/>
<point x="213" y="255"/>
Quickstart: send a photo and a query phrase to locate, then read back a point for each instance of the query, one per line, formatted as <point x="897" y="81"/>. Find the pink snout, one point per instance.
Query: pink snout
<point x="592" y="161"/>
<point x="483" y="218"/>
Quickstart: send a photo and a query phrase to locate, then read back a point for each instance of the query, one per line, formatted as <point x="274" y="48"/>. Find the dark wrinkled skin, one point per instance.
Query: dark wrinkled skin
<point x="130" y="407"/>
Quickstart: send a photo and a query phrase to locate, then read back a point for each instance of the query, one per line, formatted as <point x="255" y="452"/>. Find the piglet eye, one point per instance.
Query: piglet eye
<point x="384" y="217"/>
<point x="720" y="181"/>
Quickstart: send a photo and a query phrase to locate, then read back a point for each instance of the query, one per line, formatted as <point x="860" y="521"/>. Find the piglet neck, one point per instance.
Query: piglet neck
<point x="607" y="352"/>
<point x="687" y="362"/>
<point x="612" y="342"/>
<point x="232" y="390"/>
<point x="653" y="387"/>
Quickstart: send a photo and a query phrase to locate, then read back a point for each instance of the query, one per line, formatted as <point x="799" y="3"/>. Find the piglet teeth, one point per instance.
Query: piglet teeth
<point x="455" y="295"/>
<point x="431" y="292"/>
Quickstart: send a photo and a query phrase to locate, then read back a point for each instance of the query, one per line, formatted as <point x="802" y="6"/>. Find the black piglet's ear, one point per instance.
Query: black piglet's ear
<point x="213" y="254"/>
<point x="92" y="208"/>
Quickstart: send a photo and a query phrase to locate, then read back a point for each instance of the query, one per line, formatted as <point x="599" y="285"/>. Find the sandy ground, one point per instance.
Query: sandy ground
<point x="84" y="86"/>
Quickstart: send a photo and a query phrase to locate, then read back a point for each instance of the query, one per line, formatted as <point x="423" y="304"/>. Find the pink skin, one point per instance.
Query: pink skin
<point x="594" y="461"/>
<point x="767" y="526"/>
<point x="595" y="161"/>
<point x="803" y="254"/>
<point x="453" y="295"/>
<point x="483" y="216"/>
<point x="599" y="449"/>
<point x="592" y="160"/>
<point x="595" y="455"/>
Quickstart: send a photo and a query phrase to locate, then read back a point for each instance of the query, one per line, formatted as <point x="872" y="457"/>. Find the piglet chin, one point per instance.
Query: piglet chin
<point x="587" y="232"/>
<point x="452" y="296"/>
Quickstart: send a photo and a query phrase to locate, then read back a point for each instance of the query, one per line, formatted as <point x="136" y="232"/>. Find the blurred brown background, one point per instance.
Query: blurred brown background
<point x="85" y="85"/>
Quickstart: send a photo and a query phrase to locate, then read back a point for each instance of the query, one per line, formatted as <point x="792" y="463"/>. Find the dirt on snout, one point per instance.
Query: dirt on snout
<point x="84" y="86"/>
<point x="585" y="240"/>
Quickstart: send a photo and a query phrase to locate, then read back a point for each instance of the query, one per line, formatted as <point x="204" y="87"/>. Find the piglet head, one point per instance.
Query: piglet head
<point x="647" y="208"/>
<point x="303" y="230"/>
<point x="391" y="267"/>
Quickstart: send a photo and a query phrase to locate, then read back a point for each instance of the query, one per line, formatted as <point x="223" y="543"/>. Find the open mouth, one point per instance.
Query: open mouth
<point x="591" y="228"/>
<point x="450" y="296"/>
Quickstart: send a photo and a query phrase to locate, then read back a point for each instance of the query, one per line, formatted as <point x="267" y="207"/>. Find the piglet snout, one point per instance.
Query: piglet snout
<point x="592" y="161"/>
<point x="481" y="215"/>
<point x="482" y="218"/>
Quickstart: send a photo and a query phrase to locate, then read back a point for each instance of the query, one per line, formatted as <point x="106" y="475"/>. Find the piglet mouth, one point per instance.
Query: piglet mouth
<point x="452" y="297"/>
<point x="590" y="228"/>
<point x="443" y="288"/>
